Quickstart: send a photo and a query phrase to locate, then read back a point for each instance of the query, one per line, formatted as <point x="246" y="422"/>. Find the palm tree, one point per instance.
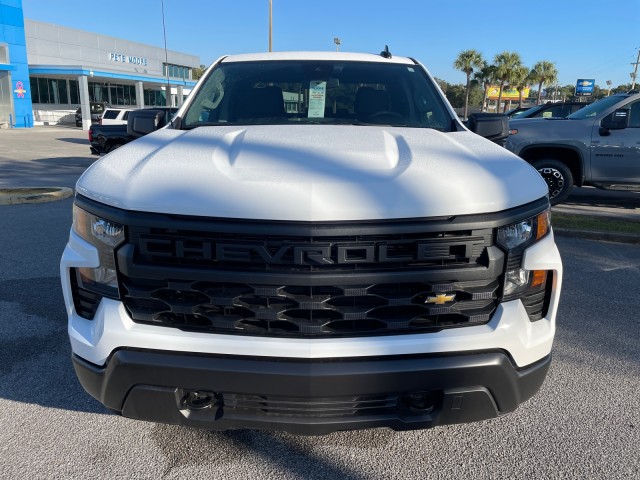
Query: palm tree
<point x="520" y="78"/>
<point x="505" y="63"/>
<point x="467" y="62"/>
<point x="544" y="73"/>
<point x="485" y="76"/>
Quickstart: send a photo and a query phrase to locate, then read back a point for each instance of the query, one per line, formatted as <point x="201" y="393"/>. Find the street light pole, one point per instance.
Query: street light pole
<point x="167" y="99"/>
<point x="338" y="42"/>
<point x="270" y="24"/>
<point x="635" y="71"/>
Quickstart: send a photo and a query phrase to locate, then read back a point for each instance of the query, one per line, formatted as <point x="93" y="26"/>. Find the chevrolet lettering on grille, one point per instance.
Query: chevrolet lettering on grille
<point x="303" y="254"/>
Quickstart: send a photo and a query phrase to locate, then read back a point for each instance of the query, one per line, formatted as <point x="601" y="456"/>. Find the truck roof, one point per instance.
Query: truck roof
<point x="344" y="56"/>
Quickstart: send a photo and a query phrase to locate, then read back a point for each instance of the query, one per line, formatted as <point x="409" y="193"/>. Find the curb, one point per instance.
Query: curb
<point x="600" y="236"/>
<point x="15" y="196"/>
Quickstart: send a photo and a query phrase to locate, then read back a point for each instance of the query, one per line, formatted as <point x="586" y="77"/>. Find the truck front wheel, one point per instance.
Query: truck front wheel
<point x="558" y="177"/>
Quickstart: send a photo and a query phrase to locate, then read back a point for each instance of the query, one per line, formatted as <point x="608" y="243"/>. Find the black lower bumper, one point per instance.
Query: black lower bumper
<point x="309" y="396"/>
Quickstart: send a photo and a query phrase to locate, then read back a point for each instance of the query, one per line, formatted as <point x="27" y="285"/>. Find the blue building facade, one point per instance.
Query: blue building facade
<point x="50" y="74"/>
<point x="15" y="96"/>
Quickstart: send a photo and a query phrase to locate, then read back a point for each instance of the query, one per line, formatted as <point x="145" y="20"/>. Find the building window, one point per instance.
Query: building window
<point x="58" y="91"/>
<point x="43" y="90"/>
<point x="154" y="98"/>
<point x="123" y="95"/>
<point x="49" y="90"/>
<point x="98" y="92"/>
<point x="74" y="92"/>
<point x="176" y="71"/>
<point x="35" y="97"/>
<point x="4" y="56"/>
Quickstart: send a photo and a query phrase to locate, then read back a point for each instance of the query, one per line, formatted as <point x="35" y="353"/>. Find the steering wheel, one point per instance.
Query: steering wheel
<point x="386" y="113"/>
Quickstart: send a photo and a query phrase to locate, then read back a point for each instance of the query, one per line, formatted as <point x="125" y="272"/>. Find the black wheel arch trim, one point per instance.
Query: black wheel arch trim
<point x="579" y="179"/>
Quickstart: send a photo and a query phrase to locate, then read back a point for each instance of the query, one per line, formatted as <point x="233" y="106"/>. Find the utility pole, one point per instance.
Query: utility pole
<point x="270" y="23"/>
<point x="635" y="71"/>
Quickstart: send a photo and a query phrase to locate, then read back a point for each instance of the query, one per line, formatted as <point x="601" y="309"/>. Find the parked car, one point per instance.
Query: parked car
<point x="314" y="244"/>
<point x="548" y="110"/>
<point x="115" y="116"/>
<point x="597" y="146"/>
<point x="516" y="111"/>
<point x="96" y="108"/>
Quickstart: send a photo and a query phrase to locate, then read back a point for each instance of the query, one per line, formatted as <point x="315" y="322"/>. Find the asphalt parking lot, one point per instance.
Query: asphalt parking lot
<point x="584" y="423"/>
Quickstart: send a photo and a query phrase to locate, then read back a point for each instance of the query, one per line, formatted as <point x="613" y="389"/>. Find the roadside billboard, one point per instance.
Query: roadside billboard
<point x="507" y="94"/>
<point x="584" y="87"/>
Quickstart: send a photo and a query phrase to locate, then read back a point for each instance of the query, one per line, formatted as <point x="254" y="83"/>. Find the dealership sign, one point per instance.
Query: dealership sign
<point x="508" y="93"/>
<point x="584" y="87"/>
<point x="122" y="58"/>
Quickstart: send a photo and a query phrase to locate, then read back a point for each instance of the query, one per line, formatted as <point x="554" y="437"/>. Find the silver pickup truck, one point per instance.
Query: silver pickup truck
<point x="598" y="145"/>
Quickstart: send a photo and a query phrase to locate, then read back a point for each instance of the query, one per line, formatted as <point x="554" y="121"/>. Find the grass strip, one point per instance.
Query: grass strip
<point x="585" y="222"/>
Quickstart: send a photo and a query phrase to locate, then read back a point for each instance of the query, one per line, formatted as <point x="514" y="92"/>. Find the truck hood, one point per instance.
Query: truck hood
<point x="312" y="173"/>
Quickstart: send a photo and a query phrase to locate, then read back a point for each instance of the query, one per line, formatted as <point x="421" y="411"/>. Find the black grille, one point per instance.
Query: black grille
<point x="537" y="302"/>
<point x="84" y="301"/>
<point x="353" y="406"/>
<point x="320" y="280"/>
<point x="304" y="310"/>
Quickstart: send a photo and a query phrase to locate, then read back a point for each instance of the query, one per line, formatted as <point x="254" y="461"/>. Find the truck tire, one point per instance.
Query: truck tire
<point x="113" y="147"/>
<point x="558" y="177"/>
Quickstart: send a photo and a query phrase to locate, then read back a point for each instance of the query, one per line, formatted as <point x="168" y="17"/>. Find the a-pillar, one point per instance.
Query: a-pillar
<point x="85" y="107"/>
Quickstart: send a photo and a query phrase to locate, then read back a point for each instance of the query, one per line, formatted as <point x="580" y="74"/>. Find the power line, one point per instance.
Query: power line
<point x="613" y="61"/>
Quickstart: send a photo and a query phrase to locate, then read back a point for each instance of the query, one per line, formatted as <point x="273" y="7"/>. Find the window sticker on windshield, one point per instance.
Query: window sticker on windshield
<point x="317" y="97"/>
<point x="410" y="69"/>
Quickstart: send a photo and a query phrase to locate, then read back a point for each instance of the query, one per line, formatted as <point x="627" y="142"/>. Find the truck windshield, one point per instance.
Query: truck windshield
<point x="596" y="107"/>
<point x="318" y="92"/>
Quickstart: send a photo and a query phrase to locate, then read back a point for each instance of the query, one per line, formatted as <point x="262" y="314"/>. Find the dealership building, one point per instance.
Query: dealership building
<point x="48" y="71"/>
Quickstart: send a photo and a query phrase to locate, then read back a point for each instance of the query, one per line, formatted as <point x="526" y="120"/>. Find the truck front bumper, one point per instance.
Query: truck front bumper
<point x="310" y="396"/>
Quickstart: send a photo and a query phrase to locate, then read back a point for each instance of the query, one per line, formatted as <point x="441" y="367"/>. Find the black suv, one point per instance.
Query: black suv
<point x="549" y="109"/>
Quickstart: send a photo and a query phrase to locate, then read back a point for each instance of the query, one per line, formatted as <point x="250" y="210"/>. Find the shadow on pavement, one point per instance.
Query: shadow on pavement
<point x="79" y="141"/>
<point x="45" y="172"/>
<point x="283" y="452"/>
<point x="35" y="355"/>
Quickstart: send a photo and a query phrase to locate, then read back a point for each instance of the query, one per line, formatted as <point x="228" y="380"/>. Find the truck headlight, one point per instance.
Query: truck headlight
<point x="515" y="239"/>
<point x="105" y="235"/>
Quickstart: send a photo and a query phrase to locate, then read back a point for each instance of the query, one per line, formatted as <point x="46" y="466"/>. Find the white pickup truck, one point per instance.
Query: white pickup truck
<point x="314" y="243"/>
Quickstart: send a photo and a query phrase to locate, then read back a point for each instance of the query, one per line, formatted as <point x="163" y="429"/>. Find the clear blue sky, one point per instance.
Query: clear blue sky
<point x="585" y="38"/>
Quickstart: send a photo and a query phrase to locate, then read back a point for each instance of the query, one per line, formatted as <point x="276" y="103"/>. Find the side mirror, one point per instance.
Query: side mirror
<point x="492" y="126"/>
<point x="142" y="122"/>
<point x="617" y="120"/>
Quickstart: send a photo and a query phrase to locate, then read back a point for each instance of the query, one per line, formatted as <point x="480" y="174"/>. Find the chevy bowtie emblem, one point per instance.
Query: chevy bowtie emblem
<point x="440" y="299"/>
